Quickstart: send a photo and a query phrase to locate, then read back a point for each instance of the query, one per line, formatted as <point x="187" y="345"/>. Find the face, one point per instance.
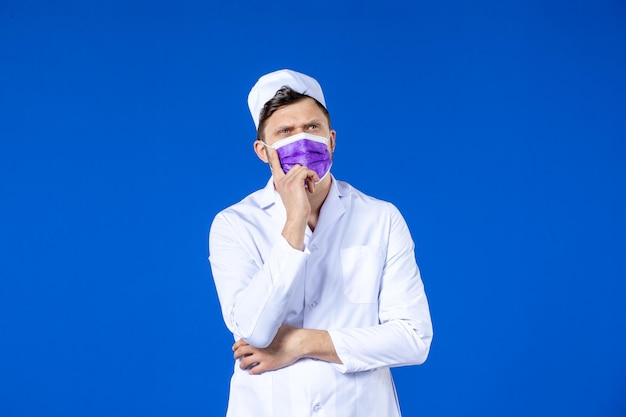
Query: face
<point x="303" y="116"/>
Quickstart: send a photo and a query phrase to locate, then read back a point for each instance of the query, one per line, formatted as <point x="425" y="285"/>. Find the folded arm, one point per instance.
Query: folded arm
<point x="253" y="295"/>
<point x="290" y="345"/>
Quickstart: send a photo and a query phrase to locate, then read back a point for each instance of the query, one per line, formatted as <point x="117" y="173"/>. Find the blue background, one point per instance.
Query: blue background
<point x="497" y="128"/>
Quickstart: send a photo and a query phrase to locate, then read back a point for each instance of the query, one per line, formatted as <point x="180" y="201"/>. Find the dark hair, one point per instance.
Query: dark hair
<point x="283" y="97"/>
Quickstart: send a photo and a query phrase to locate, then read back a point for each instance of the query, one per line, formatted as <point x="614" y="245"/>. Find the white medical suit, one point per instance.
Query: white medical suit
<point x="357" y="278"/>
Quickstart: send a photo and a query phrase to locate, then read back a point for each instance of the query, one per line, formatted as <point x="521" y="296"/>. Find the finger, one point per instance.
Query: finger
<point x="257" y="369"/>
<point x="248" y="362"/>
<point x="310" y="185"/>
<point x="238" y="344"/>
<point x="302" y="174"/>
<point x="272" y="157"/>
<point x="243" y="351"/>
<point x="313" y="175"/>
<point x="310" y="180"/>
<point x="240" y="354"/>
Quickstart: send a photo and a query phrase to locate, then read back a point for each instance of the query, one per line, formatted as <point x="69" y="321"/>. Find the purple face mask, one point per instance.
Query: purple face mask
<point x="307" y="150"/>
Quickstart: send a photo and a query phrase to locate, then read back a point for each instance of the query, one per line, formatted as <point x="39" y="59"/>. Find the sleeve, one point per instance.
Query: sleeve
<point x="405" y="332"/>
<point x="253" y="293"/>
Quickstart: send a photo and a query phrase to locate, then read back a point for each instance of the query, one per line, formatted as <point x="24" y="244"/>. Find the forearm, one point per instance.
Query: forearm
<point x="317" y="344"/>
<point x="253" y="291"/>
<point x="403" y="332"/>
<point x="289" y="345"/>
<point x="260" y="309"/>
<point x="293" y="232"/>
<point x="395" y="343"/>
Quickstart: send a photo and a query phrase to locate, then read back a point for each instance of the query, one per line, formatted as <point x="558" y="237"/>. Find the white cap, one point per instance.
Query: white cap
<point x="267" y="86"/>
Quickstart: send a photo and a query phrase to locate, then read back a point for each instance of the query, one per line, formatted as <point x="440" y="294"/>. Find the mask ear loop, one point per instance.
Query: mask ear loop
<point x="266" y="153"/>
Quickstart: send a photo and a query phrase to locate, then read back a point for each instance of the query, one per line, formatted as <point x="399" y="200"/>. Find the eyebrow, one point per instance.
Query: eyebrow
<point x="314" y="121"/>
<point x="281" y="127"/>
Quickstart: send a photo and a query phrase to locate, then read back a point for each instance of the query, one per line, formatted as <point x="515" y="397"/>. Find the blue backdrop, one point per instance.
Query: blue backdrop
<point x="496" y="127"/>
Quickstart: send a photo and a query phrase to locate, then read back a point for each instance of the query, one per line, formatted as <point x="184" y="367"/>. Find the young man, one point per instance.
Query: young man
<point x="317" y="281"/>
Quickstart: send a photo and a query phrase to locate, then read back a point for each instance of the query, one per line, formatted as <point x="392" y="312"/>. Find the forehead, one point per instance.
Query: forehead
<point x="303" y="111"/>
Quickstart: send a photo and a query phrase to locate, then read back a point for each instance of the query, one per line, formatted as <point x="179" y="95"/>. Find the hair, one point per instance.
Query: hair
<point x="283" y="97"/>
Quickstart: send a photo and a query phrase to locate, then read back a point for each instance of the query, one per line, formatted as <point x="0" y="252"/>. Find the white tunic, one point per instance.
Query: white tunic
<point x="357" y="278"/>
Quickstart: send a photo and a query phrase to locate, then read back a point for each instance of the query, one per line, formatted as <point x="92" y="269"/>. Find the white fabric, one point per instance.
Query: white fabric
<point x="294" y="138"/>
<point x="267" y="86"/>
<point x="356" y="278"/>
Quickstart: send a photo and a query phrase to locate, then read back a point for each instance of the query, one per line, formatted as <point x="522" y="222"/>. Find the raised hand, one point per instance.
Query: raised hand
<point x="293" y="188"/>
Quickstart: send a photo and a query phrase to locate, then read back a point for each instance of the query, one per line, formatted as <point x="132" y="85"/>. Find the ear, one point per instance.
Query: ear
<point x="333" y="134"/>
<point x="261" y="152"/>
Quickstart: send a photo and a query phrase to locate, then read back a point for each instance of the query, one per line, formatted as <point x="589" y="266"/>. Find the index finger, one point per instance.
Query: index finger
<point x="272" y="156"/>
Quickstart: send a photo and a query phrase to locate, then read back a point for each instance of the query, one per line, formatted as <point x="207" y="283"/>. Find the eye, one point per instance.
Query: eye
<point x="283" y="131"/>
<point x="313" y="127"/>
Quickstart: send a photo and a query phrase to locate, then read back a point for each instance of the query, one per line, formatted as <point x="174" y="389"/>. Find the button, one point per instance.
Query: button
<point x="317" y="407"/>
<point x="313" y="304"/>
<point x="313" y="248"/>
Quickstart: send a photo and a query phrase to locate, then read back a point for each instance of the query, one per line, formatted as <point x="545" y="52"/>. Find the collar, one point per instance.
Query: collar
<point x="268" y="196"/>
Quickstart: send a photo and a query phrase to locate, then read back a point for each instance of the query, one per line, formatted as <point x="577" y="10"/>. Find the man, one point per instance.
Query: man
<point x="317" y="281"/>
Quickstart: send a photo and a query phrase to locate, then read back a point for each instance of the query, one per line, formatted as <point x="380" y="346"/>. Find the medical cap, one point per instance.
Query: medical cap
<point x="267" y="86"/>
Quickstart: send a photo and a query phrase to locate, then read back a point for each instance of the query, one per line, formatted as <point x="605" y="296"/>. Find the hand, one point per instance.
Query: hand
<point x="293" y="186"/>
<point x="292" y="191"/>
<point x="283" y="351"/>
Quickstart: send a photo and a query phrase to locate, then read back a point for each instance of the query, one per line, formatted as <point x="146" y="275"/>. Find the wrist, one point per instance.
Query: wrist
<point x="301" y="348"/>
<point x="316" y="344"/>
<point x="293" y="231"/>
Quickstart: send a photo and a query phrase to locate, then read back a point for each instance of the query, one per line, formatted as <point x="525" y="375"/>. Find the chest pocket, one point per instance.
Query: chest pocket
<point x="362" y="269"/>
